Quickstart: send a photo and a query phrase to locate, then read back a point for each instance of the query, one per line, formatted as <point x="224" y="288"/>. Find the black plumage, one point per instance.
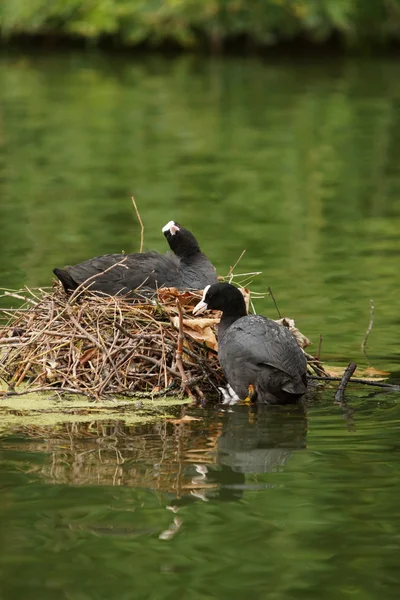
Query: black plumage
<point x="186" y="268"/>
<point x="258" y="356"/>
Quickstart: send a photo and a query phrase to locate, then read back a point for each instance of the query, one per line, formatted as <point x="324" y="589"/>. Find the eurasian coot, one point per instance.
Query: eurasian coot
<point x="187" y="268"/>
<point x="260" y="358"/>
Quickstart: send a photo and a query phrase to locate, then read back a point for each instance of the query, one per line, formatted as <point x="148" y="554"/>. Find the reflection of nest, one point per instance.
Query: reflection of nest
<point x="108" y="345"/>
<point x="178" y="456"/>
<point x="159" y="456"/>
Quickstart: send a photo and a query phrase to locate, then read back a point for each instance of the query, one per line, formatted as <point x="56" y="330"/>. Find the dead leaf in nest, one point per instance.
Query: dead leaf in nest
<point x="199" y="330"/>
<point x="168" y="291"/>
<point x="185" y="419"/>
<point x="302" y="340"/>
<point x="200" y="324"/>
<point x="88" y="355"/>
<point x="185" y="297"/>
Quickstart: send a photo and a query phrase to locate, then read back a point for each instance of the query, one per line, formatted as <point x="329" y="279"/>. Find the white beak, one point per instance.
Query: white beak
<point x="200" y="308"/>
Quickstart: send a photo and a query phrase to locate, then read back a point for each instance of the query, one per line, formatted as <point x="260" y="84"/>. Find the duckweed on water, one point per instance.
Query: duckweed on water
<point x="44" y="409"/>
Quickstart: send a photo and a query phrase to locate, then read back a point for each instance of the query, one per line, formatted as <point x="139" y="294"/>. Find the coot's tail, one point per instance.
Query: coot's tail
<point x="68" y="283"/>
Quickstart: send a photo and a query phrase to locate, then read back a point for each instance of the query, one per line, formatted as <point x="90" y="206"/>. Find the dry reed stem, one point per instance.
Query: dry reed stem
<point x="141" y="225"/>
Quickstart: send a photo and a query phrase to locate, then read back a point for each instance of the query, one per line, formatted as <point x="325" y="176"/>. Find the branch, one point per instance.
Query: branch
<point x="339" y="396"/>
<point x="274" y="301"/>
<point x="179" y="347"/>
<point x="390" y="386"/>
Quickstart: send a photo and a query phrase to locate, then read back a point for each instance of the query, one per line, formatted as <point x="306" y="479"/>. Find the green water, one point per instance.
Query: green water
<point x="299" y="164"/>
<point x="277" y="505"/>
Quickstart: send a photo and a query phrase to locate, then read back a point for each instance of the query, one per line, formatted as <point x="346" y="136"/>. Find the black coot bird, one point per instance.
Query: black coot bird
<point x="261" y="359"/>
<point x="187" y="268"/>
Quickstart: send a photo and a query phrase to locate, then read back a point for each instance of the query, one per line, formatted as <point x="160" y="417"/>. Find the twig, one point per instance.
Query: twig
<point x="179" y="347"/>
<point x="230" y="272"/>
<point x="141" y="226"/>
<point x="339" y="396"/>
<point x="274" y="301"/>
<point x="19" y="297"/>
<point x="246" y="275"/>
<point x="92" y="339"/>
<point x="315" y="364"/>
<point x="134" y="336"/>
<point x="6" y="310"/>
<point x="318" y="357"/>
<point x="63" y="390"/>
<point x="158" y="363"/>
<point x="18" y="340"/>
<point x="389" y="386"/>
<point x="371" y="324"/>
<point x="163" y="358"/>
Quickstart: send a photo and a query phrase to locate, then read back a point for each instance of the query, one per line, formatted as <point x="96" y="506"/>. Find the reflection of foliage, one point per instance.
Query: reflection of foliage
<point x="190" y="22"/>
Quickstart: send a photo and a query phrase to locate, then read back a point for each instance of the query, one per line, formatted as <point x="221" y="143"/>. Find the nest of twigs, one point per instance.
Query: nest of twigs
<point x="103" y="346"/>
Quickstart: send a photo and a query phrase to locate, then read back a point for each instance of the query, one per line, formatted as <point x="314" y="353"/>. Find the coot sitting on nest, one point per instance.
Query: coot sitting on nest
<point x="261" y="359"/>
<point x="187" y="268"/>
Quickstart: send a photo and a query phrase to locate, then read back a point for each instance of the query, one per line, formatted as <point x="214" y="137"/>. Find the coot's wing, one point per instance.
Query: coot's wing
<point x="82" y="271"/>
<point x="256" y="340"/>
<point x="110" y="283"/>
<point x="199" y="273"/>
<point x="149" y="269"/>
<point x="152" y="270"/>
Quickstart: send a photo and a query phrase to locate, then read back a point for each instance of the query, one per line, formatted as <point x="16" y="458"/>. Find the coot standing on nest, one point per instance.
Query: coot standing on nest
<point x="187" y="268"/>
<point x="261" y="359"/>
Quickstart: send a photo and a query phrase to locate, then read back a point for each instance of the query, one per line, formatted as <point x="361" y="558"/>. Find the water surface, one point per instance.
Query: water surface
<point x="279" y="503"/>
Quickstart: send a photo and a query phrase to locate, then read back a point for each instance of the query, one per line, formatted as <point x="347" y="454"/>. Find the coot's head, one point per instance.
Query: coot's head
<point x="222" y="296"/>
<point x="181" y="241"/>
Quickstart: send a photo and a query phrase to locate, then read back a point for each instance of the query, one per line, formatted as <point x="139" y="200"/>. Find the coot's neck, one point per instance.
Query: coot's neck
<point x="191" y="255"/>
<point x="236" y="311"/>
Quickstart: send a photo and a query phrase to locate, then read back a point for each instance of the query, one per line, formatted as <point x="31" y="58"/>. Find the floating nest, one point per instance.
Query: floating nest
<point x="102" y="346"/>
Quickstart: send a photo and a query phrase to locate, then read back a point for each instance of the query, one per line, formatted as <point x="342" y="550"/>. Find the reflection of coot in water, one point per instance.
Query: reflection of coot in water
<point x="257" y="440"/>
<point x="254" y="440"/>
<point x="263" y="440"/>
